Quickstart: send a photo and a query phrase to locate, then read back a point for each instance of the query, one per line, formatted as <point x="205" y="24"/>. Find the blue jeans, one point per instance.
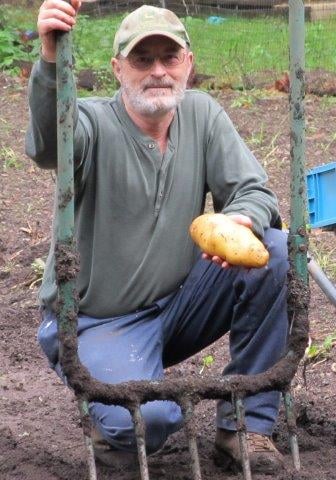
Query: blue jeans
<point x="251" y="304"/>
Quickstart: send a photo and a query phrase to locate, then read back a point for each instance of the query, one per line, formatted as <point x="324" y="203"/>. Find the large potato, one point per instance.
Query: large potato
<point x="218" y="234"/>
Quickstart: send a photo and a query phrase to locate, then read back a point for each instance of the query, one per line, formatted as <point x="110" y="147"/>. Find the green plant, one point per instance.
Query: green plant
<point x="316" y="352"/>
<point x="258" y="137"/>
<point x="9" y="50"/>
<point x="207" y="361"/>
<point x="38" y="266"/>
<point x="9" y="158"/>
<point x="326" y="258"/>
<point x="231" y="52"/>
<point x="93" y="41"/>
<point x="244" y="100"/>
<point x="12" y="49"/>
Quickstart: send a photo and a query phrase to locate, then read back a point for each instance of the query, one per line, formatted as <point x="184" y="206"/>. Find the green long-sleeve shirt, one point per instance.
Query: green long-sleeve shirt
<point x="134" y="205"/>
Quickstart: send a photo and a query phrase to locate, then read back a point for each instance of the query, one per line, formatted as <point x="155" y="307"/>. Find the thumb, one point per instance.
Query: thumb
<point x="242" y="220"/>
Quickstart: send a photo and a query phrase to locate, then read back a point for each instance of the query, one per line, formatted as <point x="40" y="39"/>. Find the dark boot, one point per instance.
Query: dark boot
<point x="108" y="456"/>
<point x="264" y="456"/>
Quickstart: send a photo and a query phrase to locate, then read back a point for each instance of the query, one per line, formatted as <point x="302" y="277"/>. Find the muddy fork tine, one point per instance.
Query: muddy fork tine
<point x="90" y="458"/>
<point x="188" y="413"/>
<point x="291" y="425"/>
<point x="86" y="423"/>
<point x="241" y="429"/>
<point x="139" y="428"/>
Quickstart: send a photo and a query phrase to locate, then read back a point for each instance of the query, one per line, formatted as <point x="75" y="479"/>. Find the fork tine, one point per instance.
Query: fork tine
<point x="241" y="429"/>
<point x="86" y="422"/>
<point x="139" y="427"/>
<point x="291" y="425"/>
<point x="188" y="412"/>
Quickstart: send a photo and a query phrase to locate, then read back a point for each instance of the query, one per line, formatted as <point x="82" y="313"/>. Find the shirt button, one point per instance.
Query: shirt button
<point x="151" y="145"/>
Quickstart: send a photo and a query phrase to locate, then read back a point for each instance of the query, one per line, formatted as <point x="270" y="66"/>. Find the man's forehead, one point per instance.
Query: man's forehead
<point x="155" y="42"/>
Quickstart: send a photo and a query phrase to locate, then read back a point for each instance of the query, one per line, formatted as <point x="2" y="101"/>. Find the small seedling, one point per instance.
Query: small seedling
<point x="9" y="158"/>
<point x="244" y="100"/>
<point x="207" y="361"/>
<point x="315" y="352"/>
<point x="38" y="266"/>
<point x="258" y="137"/>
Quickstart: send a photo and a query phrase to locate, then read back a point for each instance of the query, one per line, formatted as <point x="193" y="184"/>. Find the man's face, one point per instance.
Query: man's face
<point x="153" y="77"/>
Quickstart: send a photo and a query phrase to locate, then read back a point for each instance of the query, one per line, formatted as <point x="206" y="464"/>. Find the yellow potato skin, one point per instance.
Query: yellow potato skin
<point x="216" y="234"/>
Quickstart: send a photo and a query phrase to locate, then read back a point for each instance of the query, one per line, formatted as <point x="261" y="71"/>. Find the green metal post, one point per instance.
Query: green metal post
<point x="298" y="238"/>
<point x="65" y="249"/>
<point x="298" y="242"/>
<point x="65" y="183"/>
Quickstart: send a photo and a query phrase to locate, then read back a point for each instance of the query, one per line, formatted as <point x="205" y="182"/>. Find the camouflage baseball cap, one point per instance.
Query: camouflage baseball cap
<point x="144" y="22"/>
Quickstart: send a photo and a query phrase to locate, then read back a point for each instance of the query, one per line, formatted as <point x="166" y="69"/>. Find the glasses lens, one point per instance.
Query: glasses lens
<point x="141" y="62"/>
<point x="145" y="62"/>
<point x="172" y="59"/>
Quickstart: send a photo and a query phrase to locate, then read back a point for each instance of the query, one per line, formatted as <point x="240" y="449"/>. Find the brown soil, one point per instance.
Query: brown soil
<point x="40" y="433"/>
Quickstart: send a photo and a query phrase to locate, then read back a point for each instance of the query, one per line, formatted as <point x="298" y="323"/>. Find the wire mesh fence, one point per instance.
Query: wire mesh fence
<point x="237" y="43"/>
<point x="240" y="42"/>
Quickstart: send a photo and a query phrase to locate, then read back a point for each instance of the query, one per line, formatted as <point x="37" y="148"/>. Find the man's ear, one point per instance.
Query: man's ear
<point x="116" y="68"/>
<point x="190" y="59"/>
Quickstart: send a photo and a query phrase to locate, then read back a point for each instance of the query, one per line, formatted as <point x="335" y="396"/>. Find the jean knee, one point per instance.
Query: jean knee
<point x="276" y="243"/>
<point x="162" y="418"/>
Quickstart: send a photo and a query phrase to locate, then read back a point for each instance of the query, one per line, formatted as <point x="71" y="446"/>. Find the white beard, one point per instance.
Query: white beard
<point x="154" y="101"/>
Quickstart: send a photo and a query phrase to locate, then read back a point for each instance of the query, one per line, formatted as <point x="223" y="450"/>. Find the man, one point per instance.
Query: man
<point x="144" y="161"/>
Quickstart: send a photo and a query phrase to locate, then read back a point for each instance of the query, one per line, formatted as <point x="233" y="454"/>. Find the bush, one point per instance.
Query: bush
<point x="14" y="48"/>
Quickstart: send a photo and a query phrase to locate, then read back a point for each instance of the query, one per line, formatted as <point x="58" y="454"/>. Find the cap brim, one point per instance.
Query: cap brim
<point x="125" y="51"/>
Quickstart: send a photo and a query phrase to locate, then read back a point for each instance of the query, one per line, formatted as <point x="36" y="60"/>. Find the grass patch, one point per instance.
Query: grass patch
<point x="235" y="48"/>
<point x="231" y="50"/>
<point x="316" y="352"/>
<point x="9" y="159"/>
<point x="223" y="51"/>
<point x="324" y="255"/>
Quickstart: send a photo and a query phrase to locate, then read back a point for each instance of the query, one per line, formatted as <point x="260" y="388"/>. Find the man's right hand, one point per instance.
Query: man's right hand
<point x="55" y="15"/>
<point x="240" y="219"/>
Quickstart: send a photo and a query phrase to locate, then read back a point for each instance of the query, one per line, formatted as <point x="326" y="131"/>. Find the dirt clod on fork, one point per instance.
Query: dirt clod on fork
<point x="67" y="262"/>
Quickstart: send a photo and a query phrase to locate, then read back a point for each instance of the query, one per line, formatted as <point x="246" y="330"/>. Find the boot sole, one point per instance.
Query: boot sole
<point x="227" y="463"/>
<point x="224" y="461"/>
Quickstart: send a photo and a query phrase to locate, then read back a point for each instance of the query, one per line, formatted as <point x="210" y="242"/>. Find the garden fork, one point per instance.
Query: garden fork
<point x="187" y="392"/>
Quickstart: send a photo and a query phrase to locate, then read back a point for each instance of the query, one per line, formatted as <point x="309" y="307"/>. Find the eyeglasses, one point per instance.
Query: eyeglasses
<point x="145" y="62"/>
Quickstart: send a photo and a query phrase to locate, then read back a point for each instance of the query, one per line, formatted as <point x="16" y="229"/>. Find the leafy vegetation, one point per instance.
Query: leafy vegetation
<point x="9" y="159"/>
<point x="316" y="352"/>
<point x="207" y="361"/>
<point x="233" y="49"/>
<point x="324" y="256"/>
<point x="37" y="266"/>
<point x="13" y="48"/>
<point x="9" y="52"/>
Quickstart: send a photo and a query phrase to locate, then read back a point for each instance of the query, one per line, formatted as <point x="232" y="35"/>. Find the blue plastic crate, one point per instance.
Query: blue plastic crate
<point x="321" y="193"/>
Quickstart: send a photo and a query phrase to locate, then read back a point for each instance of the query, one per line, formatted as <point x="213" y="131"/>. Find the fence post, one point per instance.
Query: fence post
<point x="298" y="242"/>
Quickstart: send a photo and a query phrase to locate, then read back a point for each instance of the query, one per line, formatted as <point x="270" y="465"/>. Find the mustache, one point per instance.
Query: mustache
<point x="157" y="84"/>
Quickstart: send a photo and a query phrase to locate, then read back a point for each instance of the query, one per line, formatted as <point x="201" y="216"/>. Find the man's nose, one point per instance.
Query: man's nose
<point x="158" y="69"/>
